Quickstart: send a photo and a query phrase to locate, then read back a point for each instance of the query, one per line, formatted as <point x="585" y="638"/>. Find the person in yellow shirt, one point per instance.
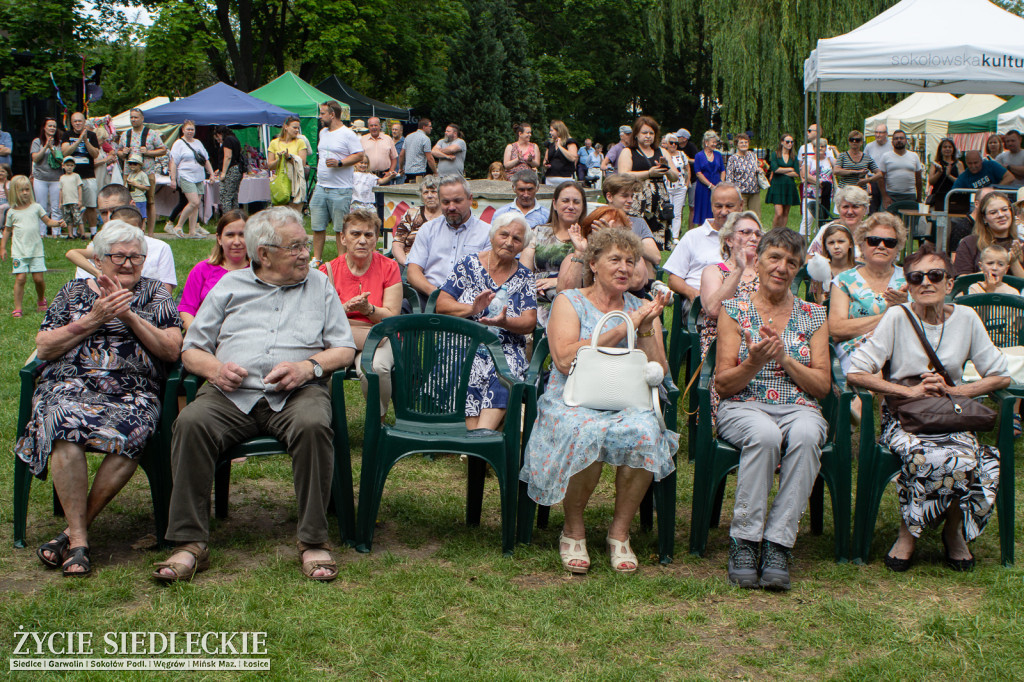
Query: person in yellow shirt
<point x="292" y="147"/>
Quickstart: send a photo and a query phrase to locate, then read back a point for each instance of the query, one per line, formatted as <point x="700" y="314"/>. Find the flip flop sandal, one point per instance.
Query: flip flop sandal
<point x="309" y="566"/>
<point x="621" y="554"/>
<point x="182" y="571"/>
<point x="42" y="305"/>
<point x="178" y="232"/>
<point x="16" y="312"/>
<point x="77" y="556"/>
<point x="57" y="546"/>
<point x="576" y="551"/>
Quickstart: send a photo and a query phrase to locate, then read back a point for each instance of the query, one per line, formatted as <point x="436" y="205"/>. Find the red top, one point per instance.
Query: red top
<point x="382" y="273"/>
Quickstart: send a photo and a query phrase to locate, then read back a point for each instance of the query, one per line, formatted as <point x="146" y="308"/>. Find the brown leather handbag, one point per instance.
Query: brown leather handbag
<point x="937" y="414"/>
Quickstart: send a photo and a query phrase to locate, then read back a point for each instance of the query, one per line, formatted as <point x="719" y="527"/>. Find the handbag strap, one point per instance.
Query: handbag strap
<point x="607" y="316"/>
<point x="928" y="347"/>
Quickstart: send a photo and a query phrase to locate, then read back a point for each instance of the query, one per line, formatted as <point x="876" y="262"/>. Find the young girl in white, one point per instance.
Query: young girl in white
<point x="22" y="222"/>
<point x="363" y="184"/>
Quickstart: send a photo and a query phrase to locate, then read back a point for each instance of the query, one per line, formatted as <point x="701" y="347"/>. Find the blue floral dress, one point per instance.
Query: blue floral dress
<point x="566" y="440"/>
<point x="103" y="394"/>
<point x="468" y="281"/>
<point x="772" y="384"/>
<point x="864" y="302"/>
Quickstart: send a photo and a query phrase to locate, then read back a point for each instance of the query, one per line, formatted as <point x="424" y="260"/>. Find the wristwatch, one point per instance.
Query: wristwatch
<point x="318" y="371"/>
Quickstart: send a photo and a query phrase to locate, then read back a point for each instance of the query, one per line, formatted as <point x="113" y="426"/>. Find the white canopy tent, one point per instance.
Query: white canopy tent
<point x="1011" y="120"/>
<point x="935" y="125"/>
<point x="914" y="105"/>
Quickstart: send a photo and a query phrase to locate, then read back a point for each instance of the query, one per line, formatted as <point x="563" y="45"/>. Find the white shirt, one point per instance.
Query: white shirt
<point x="809" y="149"/>
<point x="159" y="263"/>
<point x="697" y="249"/>
<point x="875" y="150"/>
<point x="336" y="145"/>
<point x="184" y="155"/>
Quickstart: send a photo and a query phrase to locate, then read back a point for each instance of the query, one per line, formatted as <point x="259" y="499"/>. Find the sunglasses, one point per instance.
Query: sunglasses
<point x="916" y="277"/>
<point x="787" y="142"/>
<point x="855" y="139"/>
<point x="890" y="242"/>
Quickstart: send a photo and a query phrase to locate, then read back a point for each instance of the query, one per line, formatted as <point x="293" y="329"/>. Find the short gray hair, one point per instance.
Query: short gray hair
<point x="527" y="175"/>
<point x="784" y="238"/>
<point x="261" y="229"/>
<point x="508" y="218"/>
<point x="117" y="232"/>
<point x="852" y="194"/>
<point x="710" y="135"/>
<point x="429" y="182"/>
<point x="730" y="227"/>
<point x="455" y="179"/>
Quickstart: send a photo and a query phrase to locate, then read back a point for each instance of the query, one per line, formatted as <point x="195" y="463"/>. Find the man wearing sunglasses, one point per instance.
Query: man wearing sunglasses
<point x="902" y="171"/>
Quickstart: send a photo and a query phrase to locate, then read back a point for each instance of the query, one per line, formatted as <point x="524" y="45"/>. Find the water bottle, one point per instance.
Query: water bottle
<point x="499" y="302"/>
<point x="659" y="287"/>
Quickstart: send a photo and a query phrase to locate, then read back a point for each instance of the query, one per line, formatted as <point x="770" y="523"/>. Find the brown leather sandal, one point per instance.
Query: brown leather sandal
<point x="183" y="571"/>
<point x="309" y="566"/>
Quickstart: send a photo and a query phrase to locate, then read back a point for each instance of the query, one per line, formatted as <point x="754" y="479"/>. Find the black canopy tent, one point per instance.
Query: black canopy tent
<point x="360" y="105"/>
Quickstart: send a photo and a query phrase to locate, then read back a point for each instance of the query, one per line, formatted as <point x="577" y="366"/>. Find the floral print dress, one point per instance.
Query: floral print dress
<point x="103" y="394"/>
<point x="566" y="440"/>
<point x="864" y="302"/>
<point x="469" y="280"/>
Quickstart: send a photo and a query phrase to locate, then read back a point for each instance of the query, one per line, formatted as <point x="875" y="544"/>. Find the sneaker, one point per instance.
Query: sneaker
<point x="743" y="563"/>
<point x="774" y="566"/>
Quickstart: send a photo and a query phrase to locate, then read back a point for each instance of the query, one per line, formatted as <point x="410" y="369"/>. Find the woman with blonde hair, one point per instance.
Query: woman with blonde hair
<point x="993" y="224"/>
<point x="292" y="147"/>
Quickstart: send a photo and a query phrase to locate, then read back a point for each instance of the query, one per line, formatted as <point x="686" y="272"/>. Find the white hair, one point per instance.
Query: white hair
<point x="117" y="232"/>
<point x="261" y="229"/>
<point x="507" y="219"/>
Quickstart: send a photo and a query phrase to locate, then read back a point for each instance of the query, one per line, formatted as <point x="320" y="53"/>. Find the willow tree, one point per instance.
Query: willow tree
<point x="758" y="48"/>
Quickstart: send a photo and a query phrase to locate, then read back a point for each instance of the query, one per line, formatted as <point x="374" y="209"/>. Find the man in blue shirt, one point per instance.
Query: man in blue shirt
<point x="524" y="184"/>
<point x="981" y="173"/>
<point x="5" y="148"/>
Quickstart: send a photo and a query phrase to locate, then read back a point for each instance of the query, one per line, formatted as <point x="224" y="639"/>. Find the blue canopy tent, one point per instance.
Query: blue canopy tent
<point x="219" y="104"/>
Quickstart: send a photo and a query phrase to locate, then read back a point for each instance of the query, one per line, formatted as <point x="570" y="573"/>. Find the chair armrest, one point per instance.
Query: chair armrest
<point x="190" y="383"/>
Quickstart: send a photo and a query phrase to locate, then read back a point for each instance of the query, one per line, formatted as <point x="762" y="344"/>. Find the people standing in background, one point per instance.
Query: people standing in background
<point x="611" y="159"/>
<point x="46" y="164"/>
<point x="292" y="146"/>
<point x="784" y="170"/>
<point x="71" y="198"/>
<point x="142" y="139"/>
<point x="1012" y="158"/>
<point x="903" y="172"/>
<point x="876" y="149"/>
<point x="399" y="141"/>
<point x="678" y="189"/>
<point x="6" y="147"/>
<point x="741" y="170"/>
<point x="229" y="165"/>
<point x="450" y="152"/>
<point x="523" y="154"/>
<point x="338" y="151"/>
<point x="709" y="170"/>
<point x="415" y="158"/>
<point x="993" y="147"/>
<point x="560" y="156"/>
<point x="82" y="145"/>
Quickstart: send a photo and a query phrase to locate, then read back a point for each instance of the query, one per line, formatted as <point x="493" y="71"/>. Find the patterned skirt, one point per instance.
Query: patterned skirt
<point x="940" y="470"/>
<point x="73" y="410"/>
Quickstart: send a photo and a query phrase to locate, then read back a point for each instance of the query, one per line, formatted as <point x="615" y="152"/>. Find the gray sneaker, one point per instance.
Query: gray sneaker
<point x="774" y="566"/>
<point x="743" y="563"/>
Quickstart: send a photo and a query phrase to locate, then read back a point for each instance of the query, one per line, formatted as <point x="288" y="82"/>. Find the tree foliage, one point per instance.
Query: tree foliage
<point x="44" y="37"/>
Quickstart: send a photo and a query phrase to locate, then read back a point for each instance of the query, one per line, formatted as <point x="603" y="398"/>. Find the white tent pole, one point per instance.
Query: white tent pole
<point x="817" y="176"/>
<point x="803" y="173"/>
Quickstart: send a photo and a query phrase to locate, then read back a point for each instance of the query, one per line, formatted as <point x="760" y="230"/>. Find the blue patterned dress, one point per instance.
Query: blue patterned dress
<point x="566" y="440"/>
<point x="864" y="302"/>
<point x="468" y="281"/>
<point x="103" y="394"/>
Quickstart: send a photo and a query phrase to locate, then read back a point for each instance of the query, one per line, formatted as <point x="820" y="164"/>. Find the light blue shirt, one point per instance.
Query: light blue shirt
<point x="538" y="215"/>
<point x="5" y="141"/>
<point x="588" y="157"/>
<point x="438" y="247"/>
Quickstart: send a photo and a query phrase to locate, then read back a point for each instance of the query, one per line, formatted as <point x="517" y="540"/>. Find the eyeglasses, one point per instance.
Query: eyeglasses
<point x="890" y="242"/>
<point x="750" y="233"/>
<point x="294" y="249"/>
<point x="855" y="139"/>
<point x="671" y="142"/>
<point x="120" y="258"/>
<point x="916" y="277"/>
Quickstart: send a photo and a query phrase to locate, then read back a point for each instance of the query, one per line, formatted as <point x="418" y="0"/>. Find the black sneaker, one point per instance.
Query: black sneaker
<point x="743" y="563"/>
<point x="774" y="566"/>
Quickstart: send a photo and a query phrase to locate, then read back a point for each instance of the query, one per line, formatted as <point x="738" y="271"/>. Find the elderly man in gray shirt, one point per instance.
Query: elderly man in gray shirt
<point x="265" y="340"/>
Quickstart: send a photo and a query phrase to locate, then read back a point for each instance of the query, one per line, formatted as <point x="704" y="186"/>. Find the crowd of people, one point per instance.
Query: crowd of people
<point x="265" y="321"/>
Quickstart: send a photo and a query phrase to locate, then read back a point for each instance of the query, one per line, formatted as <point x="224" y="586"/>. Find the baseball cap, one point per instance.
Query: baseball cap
<point x="135" y="157"/>
<point x="683" y="133"/>
<point x="625" y="130"/>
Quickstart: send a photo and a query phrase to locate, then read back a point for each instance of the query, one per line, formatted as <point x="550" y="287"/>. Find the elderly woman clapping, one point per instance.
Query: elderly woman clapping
<point x="772" y="369"/>
<point x="569" y="445"/>
<point x="948" y="477"/>
<point x="105" y="342"/>
<point x="493" y="288"/>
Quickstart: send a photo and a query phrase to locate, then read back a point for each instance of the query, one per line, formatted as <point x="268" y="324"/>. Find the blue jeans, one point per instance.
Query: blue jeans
<point x="329" y="204"/>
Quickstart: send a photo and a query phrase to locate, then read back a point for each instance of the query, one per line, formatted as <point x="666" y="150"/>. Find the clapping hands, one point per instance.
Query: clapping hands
<point x="114" y="300"/>
<point x="769" y="348"/>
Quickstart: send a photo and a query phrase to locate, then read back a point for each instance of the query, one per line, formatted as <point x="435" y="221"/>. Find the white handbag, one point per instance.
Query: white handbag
<point x="603" y="378"/>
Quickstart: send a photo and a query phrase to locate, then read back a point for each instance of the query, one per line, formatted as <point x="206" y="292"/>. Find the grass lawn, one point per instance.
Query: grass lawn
<point x="436" y="600"/>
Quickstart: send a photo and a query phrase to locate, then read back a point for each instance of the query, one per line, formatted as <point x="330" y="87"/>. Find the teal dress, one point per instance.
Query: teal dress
<point x="782" y="191"/>
<point x="566" y="440"/>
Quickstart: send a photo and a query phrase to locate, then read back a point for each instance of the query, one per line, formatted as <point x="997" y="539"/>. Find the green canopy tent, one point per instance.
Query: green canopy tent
<point x="986" y="123"/>
<point x="290" y="92"/>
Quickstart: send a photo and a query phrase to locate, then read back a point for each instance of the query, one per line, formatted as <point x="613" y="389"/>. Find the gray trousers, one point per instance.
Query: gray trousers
<point x="211" y="424"/>
<point x="762" y="432"/>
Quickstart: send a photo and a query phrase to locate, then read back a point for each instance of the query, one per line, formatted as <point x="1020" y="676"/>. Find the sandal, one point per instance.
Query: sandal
<point x="77" y="556"/>
<point x="42" y="305"/>
<point x="576" y="551"/>
<point x="178" y="232"/>
<point x="58" y="546"/>
<point x="16" y="312"/>
<point x="1016" y="425"/>
<point x="202" y="231"/>
<point x="183" y="571"/>
<point x="621" y="555"/>
<point x="309" y="566"/>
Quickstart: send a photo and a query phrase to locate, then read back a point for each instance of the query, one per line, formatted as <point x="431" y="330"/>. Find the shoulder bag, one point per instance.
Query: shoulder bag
<point x="937" y="414"/>
<point x="603" y="378"/>
<point x="281" y="185"/>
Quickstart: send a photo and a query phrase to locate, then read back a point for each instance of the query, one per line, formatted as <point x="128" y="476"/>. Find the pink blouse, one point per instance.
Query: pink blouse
<point x="201" y="280"/>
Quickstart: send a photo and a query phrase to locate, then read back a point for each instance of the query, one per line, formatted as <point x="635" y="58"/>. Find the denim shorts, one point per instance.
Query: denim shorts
<point x="329" y="204"/>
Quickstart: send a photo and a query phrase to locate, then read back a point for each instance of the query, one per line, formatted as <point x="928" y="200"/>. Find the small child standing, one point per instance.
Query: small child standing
<point x="5" y="181"/>
<point x="138" y="182"/>
<point x="70" y="198"/>
<point x="27" y="248"/>
<point x="995" y="263"/>
<point x="363" y="184"/>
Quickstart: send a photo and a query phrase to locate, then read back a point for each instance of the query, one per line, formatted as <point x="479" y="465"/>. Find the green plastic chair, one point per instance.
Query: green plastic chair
<point x="1002" y="314"/>
<point x="962" y="283"/>
<point x="678" y="339"/>
<point x="342" y="497"/>
<point x="716" y="458"/>
<point x="661" y="495"/>
<point x="433" y="358"/>
<point x="411" y="295"/>
<point x="877" y="466"/>
<point x="431" y="305"/>
<point x="155" y="459"/>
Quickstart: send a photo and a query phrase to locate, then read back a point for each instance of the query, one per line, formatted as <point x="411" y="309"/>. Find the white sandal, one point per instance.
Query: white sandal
<point x="621" y="554"/>
<point x="576" y="551"/>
